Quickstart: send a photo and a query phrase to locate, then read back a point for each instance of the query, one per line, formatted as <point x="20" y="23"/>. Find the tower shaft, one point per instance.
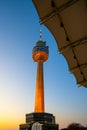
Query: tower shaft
<point x="39" y="97"/>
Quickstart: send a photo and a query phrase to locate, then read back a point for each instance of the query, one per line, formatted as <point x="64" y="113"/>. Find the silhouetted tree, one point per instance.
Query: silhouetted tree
<point x="76" y="126"/>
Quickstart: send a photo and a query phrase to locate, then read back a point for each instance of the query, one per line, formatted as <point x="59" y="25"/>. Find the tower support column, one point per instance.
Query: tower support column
<point x="39" y="97"/>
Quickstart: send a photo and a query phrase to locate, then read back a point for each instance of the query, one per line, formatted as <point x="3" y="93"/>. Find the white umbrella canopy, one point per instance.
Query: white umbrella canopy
<point x="67" y="21"/>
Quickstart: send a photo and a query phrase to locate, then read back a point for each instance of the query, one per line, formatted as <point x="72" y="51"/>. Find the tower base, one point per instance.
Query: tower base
<point x="39" y="121"/>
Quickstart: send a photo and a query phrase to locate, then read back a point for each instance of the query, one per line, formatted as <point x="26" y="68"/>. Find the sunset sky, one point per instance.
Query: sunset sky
<point x="19" y="31"/>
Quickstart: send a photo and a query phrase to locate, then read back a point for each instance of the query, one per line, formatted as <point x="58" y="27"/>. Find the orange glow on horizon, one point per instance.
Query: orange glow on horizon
<point x="10" y="122"/>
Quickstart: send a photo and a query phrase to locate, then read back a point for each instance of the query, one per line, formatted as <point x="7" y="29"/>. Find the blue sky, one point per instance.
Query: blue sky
<point x="19" y="31"/>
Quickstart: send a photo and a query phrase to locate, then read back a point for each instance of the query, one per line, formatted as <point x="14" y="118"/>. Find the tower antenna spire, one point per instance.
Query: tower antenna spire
<point x="40" y="34"/>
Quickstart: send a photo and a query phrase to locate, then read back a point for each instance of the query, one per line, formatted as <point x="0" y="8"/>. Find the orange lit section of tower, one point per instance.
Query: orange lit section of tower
<point x="40" y="55"/>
